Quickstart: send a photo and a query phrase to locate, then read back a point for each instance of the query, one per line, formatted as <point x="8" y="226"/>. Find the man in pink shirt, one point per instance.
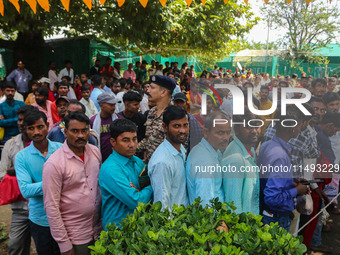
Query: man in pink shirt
<point x="72" y="197"/>
<point x="130" y="74"/>
<point x="44" y="105"/>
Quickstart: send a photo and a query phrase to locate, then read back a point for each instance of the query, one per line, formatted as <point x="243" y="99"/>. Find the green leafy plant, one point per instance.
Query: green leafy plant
<point x="3" y="233"/>
<point x="195" y="230"/>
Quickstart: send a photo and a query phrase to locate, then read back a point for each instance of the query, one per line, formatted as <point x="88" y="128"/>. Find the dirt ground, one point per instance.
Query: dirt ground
<point x="331" y="239"/>
<point x="5" y="220"/>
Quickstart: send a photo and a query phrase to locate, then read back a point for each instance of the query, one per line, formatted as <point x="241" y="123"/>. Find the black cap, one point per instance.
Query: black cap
<point x="163" y="81"/>
<point x="180" y="96"/>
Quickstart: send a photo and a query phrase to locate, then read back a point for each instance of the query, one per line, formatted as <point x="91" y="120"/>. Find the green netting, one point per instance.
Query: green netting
<point x="2" y="67"/>
<point x="83" y="52"/>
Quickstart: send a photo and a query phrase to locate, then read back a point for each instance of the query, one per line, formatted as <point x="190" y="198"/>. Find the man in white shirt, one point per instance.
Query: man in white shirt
<point x="67" y="71"/>
<point x="52" y="75"/>
<point x="91" y="109"/>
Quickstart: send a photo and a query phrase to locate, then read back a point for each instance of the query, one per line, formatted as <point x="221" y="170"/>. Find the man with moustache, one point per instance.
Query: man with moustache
<point x="208" y="153"/>
<point x="242" y="188"/>
<point x="168" y="176"/>
<point x="160" y="92"/>
<point x="71" y="191"/>
<point x="65" y="107"/>
<point x="118" y="177"/>
<point x="29" y="168"/>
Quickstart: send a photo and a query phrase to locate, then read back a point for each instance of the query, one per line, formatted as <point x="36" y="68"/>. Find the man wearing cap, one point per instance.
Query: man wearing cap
<point x="45" y="82"/>
<point x="102" y="120"/>
<point x="195" y="132"/>
<point x="160" y="92"/>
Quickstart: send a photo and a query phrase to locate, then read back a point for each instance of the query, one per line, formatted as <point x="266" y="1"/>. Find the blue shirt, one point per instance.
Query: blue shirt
<point x="107" y="89"/>
<point x="21" y="79"/>
<point x="242" y="187"/>
<point x="167" y="175"/>
<point x="56" y="135"/>
<point x="277" y="188"/>
<point x="118" y="197"/>
<point x="200" y="182"/>
<point x="94" y="95"/>
<point x="29" y="166"/>
<point x="9" y="111"/>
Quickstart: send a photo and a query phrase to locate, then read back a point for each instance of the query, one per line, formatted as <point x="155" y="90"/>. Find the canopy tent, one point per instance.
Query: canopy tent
<point x="66" y="3"/>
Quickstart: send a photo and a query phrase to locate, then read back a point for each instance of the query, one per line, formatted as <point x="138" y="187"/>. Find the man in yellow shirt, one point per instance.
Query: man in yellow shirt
<point x="265" y="104"/>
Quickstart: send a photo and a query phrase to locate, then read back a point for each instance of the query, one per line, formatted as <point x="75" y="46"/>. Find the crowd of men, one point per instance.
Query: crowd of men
<point x="86" y="149"/>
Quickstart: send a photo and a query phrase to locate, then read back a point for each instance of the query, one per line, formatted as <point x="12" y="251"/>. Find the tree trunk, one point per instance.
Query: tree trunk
<point x="29" y="48"/>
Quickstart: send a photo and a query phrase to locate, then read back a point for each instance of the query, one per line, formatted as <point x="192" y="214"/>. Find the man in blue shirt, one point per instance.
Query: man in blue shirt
<point x="21" y="76"/>
<point x="28" y="166"/>
<point x="203" y="167"/>
<point x="167" y="164"/>
<point x="8" y="112"/>
<point x="96" y="83"/>
<point x="242" y="186"/>
<point x="277" y="186"/>
<point x="118" y="176"/>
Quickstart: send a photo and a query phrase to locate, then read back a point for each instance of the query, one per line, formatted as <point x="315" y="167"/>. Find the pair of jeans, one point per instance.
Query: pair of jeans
<point x="283" y="221"/>
<point x="44" y="242"/>
<point x="317" y="239"/>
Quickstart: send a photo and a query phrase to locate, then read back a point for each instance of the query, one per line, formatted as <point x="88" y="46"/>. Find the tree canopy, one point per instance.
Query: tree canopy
<point x="309" y="26"/>
<point x="211" y="31"/>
